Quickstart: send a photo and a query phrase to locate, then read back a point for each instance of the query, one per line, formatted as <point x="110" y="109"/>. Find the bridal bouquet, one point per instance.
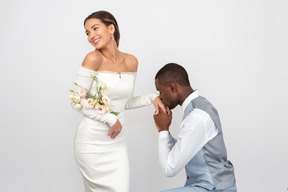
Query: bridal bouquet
<point x="84" y="98"/>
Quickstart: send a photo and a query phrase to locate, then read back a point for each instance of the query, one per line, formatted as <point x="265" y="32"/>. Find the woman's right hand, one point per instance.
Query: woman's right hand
<point x="115" y="129"/>
<point x="159" y="105"/>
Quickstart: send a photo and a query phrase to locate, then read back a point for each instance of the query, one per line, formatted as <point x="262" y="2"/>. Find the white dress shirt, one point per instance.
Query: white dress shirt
<point x="195" y="131"/>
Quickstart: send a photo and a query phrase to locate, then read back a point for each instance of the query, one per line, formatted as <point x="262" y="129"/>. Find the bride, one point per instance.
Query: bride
<point x="100" y="141"/>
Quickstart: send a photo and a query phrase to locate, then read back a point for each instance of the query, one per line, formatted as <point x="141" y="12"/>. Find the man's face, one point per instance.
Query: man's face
<point x="167" y="95"/>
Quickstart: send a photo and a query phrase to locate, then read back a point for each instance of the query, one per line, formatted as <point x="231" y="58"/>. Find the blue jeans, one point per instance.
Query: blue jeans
<point x="200" y="189"/>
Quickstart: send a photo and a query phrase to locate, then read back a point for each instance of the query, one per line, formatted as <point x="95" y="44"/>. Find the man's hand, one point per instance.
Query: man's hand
<point x="163" y="120"/>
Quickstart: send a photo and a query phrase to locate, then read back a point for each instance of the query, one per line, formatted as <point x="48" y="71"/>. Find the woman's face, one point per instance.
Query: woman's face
<point x="98" y="33"/>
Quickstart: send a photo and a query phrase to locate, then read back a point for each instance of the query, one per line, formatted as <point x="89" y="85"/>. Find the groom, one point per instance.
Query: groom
<point x="200" y="146"/>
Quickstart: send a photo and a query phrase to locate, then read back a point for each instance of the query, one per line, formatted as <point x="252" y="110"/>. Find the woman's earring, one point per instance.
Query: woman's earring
<point x="112" y="37"/>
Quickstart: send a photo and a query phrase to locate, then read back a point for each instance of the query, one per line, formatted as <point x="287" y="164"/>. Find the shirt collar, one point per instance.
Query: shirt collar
<point x="192" y="96"/>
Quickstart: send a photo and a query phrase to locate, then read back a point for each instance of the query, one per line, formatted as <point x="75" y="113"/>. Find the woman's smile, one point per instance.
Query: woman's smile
<point x="95" y="41"/>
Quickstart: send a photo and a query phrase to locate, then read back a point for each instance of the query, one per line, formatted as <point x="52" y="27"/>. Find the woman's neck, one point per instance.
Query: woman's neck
<point x="111" y="53"/>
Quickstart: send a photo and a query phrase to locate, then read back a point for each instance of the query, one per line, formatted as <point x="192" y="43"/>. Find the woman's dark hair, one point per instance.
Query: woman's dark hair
<point x="173" y="73"/>
<point x="108" y="19"/>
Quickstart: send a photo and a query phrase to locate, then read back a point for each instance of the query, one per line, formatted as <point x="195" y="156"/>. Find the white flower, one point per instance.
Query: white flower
<point x="76" y="98"/>
<point x="107" y="108"/>
<point x="71" y="96"/>
<point x="106" y="100"/>
<point x="78" y="106"/>
<point x="103" y="86"/>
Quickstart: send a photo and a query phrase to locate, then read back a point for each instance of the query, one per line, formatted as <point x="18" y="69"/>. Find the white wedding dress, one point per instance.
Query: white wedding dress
<point x="103" y="161"/>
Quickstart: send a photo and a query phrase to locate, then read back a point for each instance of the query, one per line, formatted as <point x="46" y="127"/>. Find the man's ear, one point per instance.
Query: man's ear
<point x="173" y="87"/>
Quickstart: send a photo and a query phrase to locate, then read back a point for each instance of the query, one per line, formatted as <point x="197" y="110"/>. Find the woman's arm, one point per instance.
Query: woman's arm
<point x="144" y="100"/>
<point x="85" y="80"/>
<point x="140" y="101"/>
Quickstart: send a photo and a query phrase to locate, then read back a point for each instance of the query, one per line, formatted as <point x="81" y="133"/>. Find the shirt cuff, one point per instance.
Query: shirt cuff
<point x="163" y="134"/>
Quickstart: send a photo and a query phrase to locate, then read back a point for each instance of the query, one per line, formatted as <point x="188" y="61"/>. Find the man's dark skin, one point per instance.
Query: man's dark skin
<point x="171" y="95"/>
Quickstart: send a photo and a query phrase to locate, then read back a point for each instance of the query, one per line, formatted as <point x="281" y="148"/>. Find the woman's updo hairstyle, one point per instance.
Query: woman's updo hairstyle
<point x="108" y="19"/>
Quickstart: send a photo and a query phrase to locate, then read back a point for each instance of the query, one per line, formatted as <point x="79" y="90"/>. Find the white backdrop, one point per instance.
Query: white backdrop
<point x="234" y="51"/>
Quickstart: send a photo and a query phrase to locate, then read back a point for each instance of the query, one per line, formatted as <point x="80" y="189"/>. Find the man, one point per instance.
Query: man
<point x="200" y="146"/>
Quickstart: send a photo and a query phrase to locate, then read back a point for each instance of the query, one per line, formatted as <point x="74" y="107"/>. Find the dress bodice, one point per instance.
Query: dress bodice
<point x="119" y="88"/>
<point x="94" y="127"/>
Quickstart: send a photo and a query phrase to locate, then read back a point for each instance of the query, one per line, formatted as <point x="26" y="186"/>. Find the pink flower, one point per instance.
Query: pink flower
<point x="104" y="93"/>
<point x="82" y="91"/>
<point x="100" y="101"/>
<point x="87" y="103"/>
<point x="106" y="100"/>
<point x="100" y="108"/>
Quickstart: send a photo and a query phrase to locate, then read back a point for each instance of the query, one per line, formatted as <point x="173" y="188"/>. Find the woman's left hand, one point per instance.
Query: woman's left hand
<point x="115" y="129"/>
<point x="159" y="105"/>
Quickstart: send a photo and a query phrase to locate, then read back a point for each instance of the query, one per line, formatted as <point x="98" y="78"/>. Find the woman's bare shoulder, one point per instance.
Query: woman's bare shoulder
<point x="132" y="62"/>
<point x="93" y="60"/>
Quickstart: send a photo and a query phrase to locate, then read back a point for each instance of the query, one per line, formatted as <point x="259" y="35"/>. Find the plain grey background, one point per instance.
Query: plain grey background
<point x="236" y="55"/>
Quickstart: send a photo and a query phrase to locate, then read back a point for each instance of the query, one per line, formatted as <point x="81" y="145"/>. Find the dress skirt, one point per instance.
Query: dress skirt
<point x="103" y="162"/>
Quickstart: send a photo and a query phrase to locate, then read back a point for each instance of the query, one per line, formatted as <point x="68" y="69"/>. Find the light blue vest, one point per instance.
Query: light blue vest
<point x="209" y="168"/>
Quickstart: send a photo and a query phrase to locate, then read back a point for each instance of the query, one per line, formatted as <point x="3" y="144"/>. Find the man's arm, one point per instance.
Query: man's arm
<point x="193" y="135"/>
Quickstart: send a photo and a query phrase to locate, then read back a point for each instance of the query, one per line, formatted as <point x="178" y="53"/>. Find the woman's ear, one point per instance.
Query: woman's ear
<point x="111" y="29"/>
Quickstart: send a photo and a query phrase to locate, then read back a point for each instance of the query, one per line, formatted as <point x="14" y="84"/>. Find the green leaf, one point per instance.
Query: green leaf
<point x="115" y="113"/>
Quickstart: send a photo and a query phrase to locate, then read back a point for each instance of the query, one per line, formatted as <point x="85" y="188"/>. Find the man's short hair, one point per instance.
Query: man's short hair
<point x="173" y="73"/>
